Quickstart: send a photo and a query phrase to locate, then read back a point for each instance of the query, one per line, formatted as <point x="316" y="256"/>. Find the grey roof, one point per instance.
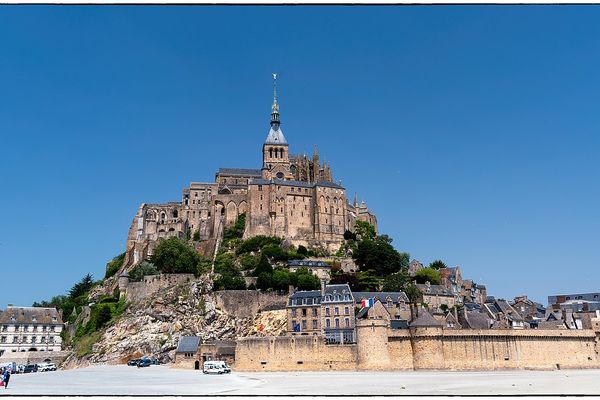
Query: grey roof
<point x="382" y="296"/>
<point x="312" y="297"/>
<point x="240" y="171"/>
<point x="275" y="136"/>
<point x="306" y="263"/>
<point x="472" y="306"/>
<point x="124" y="274"/>
<point x="363" y="312"/>
<point x="30" y="315"/>
<point x="434" y="289"/>
<point x="398" y="324"/>
<point x="424" y="320"/>
<point x="188" y="344"/>
<point x="340" y="288"/>
<point x="478" y="320"/>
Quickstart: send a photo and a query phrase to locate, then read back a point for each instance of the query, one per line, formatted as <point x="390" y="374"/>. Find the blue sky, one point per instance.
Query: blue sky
<point x="471" y="131"/>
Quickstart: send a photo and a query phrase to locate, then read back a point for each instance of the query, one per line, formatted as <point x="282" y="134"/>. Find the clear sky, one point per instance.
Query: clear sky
<point x="471" y="131"/>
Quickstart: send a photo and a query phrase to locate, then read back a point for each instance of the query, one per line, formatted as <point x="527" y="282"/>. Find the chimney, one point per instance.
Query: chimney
<point x="322" y="287"/>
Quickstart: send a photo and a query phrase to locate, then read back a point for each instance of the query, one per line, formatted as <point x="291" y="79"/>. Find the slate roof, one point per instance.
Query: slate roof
<point x="477" y="320"/>
<point x="312" y="297"/>
<point x="382" y="296"/>
<point x="188" y="344"/>
<point x="306" y="263"/>
<point x="339" y="288"/>
<point x="434" y="289"/>
<point x="30" y="315"/>
<point x="425" y="320"/>
<point x="398" y="324"/>
<point x="240" y="171"/>
<point x="275" y="136"/>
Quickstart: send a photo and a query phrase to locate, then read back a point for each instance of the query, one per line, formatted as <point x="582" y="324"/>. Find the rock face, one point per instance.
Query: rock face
<point x="152" y="327"/>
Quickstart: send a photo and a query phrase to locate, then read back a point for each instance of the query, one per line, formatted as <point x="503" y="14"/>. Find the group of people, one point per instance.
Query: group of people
<point x="4" y="377"/>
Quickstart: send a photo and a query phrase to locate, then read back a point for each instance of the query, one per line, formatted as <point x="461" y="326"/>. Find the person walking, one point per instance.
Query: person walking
<point x="6" y="377"/>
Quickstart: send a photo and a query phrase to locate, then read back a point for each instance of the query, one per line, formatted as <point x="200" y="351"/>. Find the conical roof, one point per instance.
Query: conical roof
<point x="425" y="320"/>
<point x="275" y="136"/>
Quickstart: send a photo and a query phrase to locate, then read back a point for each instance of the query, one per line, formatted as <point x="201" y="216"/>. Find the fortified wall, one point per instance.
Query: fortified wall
<point x="248" y="303"/>
<point x="136" y="291"/>
<point x="380" y="348"/>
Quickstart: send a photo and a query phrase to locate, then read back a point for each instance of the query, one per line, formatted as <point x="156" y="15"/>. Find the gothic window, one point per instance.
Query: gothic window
<point x="260" y="189"/>
<point x="196" y="194"/>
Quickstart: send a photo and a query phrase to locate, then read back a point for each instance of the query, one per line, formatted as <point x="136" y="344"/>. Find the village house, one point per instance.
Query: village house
<point x="504" y="315"/>
<point x="27" y="329"/>
<point x="304" y="312"/>
<point x="435" y="296"/>
<point x="319" y="268"/>
<point x="338" y="306"/>
<point x="396" y="303"/>
<point x="414" y="267"/>
<point x="192" y="352"/>
<point x="451" y="279"/>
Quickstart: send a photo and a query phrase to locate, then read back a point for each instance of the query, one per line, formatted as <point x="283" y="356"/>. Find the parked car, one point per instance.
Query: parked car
<point x="19" y="369"/>
<point x="144" y="362"/>
<point x="154" y="361"/>
<point x="133" y="362"/>
<point x="215" y="367"/>
<point x="43" y="367"/>
<point x="30" y="368"/>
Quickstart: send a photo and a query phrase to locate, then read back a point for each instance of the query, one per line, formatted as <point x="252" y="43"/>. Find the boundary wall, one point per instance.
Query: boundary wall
<point x="380" y="348"/>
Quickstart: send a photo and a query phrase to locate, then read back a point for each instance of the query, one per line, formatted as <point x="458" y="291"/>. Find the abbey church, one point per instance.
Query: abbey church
<point x="291" y="196"/>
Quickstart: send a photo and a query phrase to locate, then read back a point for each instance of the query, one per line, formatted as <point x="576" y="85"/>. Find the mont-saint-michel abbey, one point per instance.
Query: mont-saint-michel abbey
<point x="291" y="196"/>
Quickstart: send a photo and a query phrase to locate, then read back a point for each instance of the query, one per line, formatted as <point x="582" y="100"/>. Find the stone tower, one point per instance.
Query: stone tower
<point x="276" y="161"/>
<point x="372" y="344"/>
<point x="426" y="340"/>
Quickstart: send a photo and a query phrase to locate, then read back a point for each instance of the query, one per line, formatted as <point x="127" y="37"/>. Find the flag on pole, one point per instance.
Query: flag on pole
<point x="367" y="303"/>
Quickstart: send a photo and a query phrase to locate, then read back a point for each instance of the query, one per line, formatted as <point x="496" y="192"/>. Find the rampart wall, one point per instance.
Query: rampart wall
<point x="424" y="348"/>
<point x="153" y="283"/>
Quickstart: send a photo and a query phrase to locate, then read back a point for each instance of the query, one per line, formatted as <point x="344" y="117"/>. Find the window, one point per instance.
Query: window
<point x="15" y="339"/>
<point x="33" y="339"/>
<point x="337" y="322"/>
<point x="51" y="340"/>
<point x="346" y="310"/>
<point x="43" y="340"/>
<point x="327" y="311"/>
<point x="293" y="323"/>
<point x="347" y="322"/>
<point x="304" y="324"/>
<point x="304" y="312"/>
<point x="337" y="311"/>
<point x="293" y="312"/>
<point x="3" y="339"/>
<point x="314" y="324"/>
<point x="327" y="323"/>
<point x="4" y="328"/>
<point x="314" y="312"/>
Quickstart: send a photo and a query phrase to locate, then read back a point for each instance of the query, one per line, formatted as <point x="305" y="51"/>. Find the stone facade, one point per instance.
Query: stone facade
<point x="290" y="196"/>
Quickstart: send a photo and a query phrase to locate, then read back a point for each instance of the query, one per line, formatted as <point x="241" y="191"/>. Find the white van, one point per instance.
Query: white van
<point x="216" y="367"/>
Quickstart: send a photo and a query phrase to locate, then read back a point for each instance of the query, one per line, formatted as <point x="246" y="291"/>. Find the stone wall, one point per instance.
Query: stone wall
<point x="153" y="283"/>
<point x="293" y="353"/>
<point x="248" y="303"/>
<point x="380" y="348"/>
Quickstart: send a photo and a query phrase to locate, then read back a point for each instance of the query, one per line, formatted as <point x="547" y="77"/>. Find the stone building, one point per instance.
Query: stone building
<point x="396" y="303"/>
<point x="338" y="314"/>
<point x="304" y="312"/>
<point x="28" y="329"/>
<point x="290" y="196"/>
<point x="436" y="295"/>
<point x="319" y="268"/>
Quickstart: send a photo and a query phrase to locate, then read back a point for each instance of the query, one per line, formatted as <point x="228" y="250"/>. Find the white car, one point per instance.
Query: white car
<point x="216" y="367"/>
<point x="46" y="367"/>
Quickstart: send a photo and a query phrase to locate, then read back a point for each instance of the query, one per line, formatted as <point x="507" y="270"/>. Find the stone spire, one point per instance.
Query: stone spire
<point x="275" y="107"/>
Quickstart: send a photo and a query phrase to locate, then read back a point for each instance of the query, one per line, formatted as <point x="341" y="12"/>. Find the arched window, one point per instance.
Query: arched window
<point x="175" y="214"/>
<point x="162" y="217"/>
<point x="270" y="152"/>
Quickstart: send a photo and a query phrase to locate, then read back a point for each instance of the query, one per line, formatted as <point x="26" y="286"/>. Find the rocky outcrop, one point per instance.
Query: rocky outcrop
<point x="152" y="327"/>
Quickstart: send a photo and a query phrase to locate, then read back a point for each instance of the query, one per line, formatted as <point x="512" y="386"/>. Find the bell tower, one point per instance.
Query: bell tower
<point x="276" y="162"/>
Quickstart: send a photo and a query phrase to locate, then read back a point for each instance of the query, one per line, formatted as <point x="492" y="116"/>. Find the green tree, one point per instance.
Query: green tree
<point x="281" y="279"/>
<point x="367" y="281"/>
<point x="349" y="235"/>
<point x="82" y="287"/>
<point x="428" y="275"/>
<point x="306" y="280"/>
<point x="196" y="237"/>
<point x="263" y="266"/>
<point x="144" y="268"/>
<point x="114" y="265"/>
<point x="175" y="256"/>
<point x="395" y="282"/>
<point x="229" y="282"/>
<point x="437" y="264"/>
<point x="264" y="281"/>
<point x="380" y="256"/>
<point x="237" y="230"/>
<point x="364" y="230"/>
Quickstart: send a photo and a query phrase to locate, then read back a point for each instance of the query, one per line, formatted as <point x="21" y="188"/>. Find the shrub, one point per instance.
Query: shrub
<point x="142" y="269"/>
<point x="114" y="265"/>
<point x="175" y="256"/>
